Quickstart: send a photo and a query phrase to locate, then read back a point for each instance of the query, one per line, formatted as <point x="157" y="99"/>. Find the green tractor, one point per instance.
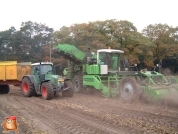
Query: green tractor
<point x="43" y="81"/>
<point x="106" y="72"/>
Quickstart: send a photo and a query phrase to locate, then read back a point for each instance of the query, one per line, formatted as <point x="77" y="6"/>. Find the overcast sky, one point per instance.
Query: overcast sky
<point x="58" y="13"/>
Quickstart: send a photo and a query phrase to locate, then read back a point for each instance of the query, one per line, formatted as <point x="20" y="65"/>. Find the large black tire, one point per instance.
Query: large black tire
<point x="4" y="89"/>
<point x="70" y="91"/>
<point x="78" y="83"/>
<point x="47" y="91"/>
<point x="28" y="88"/>
<point x="128" y="88"/>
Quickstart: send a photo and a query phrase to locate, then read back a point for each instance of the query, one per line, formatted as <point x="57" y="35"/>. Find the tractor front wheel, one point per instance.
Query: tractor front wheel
<point x="69" y="92"/>
<point x="47" y="91"/>
<point x="128" y="89"/>
<point x="78" y="83"/>
<point x="28" y="87"/>
<point x="4" y="89"/>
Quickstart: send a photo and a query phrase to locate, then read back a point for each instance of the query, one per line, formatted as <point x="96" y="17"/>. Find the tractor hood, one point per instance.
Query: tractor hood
<point x="55" y="79"/>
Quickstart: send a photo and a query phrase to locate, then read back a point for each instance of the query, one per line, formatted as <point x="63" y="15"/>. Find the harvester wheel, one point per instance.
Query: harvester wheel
<point x="4" y="89"/>
<point x="128" y="89"/>
<point x="47" y="91"/>
<point x="70" y="91"/>
<point x="78" y="83"/>
<point x="28" y="87"/>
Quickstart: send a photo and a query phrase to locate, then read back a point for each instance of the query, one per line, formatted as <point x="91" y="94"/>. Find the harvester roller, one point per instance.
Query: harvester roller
<point x="159" y="89"/>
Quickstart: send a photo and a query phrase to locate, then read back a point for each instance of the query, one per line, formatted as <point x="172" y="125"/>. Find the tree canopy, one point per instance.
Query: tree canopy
<point x="25" y="44"/>
<point x="102" y="34"/>
<point x="33" y="42"/>
<point x="164" y="41"/>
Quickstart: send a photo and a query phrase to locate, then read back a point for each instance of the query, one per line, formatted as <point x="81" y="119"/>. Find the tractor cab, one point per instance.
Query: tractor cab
<point x="44" y="71"/>
<point x="43" y="68"/>
<point x="110" y="58"/>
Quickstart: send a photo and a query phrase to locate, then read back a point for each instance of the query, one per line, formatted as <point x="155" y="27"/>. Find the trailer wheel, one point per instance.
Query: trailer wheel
<point x="70" y="91"/>
<point x="4" y="89"/>
<point x="47" y="91"/>
<point x="78" y="83"/>
<point x="128" y="89"/>
<point x="28" y="87"/>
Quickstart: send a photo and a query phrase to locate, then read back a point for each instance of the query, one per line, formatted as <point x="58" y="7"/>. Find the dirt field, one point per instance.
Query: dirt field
<point x="89" y="114"/>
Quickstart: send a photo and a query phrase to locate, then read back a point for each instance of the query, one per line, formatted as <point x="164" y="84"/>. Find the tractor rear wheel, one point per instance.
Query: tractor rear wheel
<point x="47" y="91"/>
<point x="78" y="83"/>
<point x="4" y="89"/>
<point x="128" y="89"/>
<point x="69" y="92"/>
<point x="28" y="87"/>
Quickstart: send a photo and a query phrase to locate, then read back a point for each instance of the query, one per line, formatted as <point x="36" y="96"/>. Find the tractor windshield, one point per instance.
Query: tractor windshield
<point x="47" y="68"/>
<point x="110" y="59"/>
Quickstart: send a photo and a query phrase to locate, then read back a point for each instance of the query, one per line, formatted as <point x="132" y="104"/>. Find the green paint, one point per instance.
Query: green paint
<point x="108" y="82"/>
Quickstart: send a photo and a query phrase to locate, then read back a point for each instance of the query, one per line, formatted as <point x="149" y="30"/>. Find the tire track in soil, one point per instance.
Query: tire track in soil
<point x="73" y="119"/>
<point x="154" y="122"/>
<point x="128" y="119"/>
<point x="111" y="105"/>
<point x="79" y="114"/>
<point x="101" y="116"/>
<point x="159" y="109"/>
<point x="30" y="122"/>
<point x="162" y="119"/>
<point x="24" y="125"/>
<point x="138" y="121"/>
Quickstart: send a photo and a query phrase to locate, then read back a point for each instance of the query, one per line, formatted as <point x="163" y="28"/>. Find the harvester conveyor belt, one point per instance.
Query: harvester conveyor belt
<point x="71" y="53"/>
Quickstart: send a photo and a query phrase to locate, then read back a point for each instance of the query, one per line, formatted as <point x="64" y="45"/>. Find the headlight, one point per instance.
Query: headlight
<point x="60" y="81"/>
